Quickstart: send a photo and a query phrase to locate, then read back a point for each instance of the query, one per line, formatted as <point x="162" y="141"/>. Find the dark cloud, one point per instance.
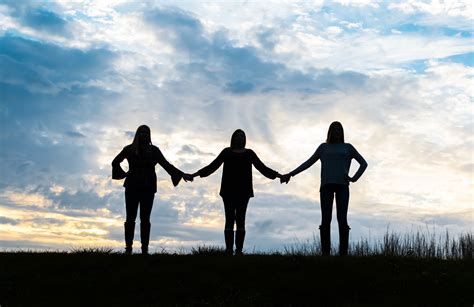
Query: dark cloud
<point x="6" y="220"/>
<point x="216" y="59"/>
<point x="44" y="20"/>
<point x="49" y="62"/>
<point x="45" y="221"/>
<point x="263" y="226"/>
<point x="75" y="134"/>
<point x="31" y="14"/>
<point x="179" y="27"/>
<point x="239" y="87"/>
<point x="42" y="94"/>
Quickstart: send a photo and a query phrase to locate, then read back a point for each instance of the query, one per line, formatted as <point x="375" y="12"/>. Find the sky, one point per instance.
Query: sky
<point x="78" y="77"/>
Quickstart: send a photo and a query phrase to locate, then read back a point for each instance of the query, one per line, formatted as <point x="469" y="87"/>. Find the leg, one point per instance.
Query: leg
<point x="342" y="205"/>
<point x="131" y="207"/>
<point x="229" y="207"/>
<point x="146" y="204"/>
<point x="241" y="210"/>
<point x="326" y="199"/>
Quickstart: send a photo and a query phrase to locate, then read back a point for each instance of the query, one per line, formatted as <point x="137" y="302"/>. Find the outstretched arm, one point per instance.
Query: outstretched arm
<point x="211" y="168"/>
<point x="175" y="173"/>
<point x="117" y="171"/>
<point x="305" y="165"/>
<point x="363" y="165"/>
<point x="262" y="168"/>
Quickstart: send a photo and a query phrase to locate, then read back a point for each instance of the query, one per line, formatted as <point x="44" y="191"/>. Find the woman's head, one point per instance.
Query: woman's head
<point x="142" y="136"/>
<point x="238" y="139"/>
<point x="335" y="133"/>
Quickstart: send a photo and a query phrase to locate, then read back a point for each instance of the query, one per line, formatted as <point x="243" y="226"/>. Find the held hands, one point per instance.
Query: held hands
<point x="189" y="177"/>
<point x="285" y="178"/>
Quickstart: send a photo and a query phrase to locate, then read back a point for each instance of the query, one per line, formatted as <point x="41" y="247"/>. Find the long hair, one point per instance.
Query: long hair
<point x="335" y="133"/>
<point x="136" y="144"/>
<point x="234" y="144"/>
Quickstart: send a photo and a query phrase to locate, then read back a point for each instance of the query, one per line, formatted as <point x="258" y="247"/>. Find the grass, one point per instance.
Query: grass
<point x="413" y="270"/>
<point x="416" y="245"/>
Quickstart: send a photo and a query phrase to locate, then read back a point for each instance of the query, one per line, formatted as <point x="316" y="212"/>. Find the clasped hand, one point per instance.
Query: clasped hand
<point x="285" y="178"/>
<point x="188" y="177"/>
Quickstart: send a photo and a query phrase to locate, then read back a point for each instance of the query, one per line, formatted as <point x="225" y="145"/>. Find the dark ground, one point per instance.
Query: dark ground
<point x="93" y="279"/>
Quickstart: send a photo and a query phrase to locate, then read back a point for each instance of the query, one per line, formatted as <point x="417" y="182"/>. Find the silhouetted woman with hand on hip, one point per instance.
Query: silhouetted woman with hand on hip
<point x="335" y="156"/>
<point x="140" y="183"/>
<point x="236" y="186"/>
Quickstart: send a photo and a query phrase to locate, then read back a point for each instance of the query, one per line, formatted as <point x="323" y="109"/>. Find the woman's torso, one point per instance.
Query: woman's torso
<point x="141" y="173"/>
<point x="237" y="174"/>
<point x="335" y="163"/>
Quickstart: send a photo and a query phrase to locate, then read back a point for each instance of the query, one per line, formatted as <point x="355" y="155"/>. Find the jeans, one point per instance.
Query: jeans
<point x="135" y="198"/>
<point x="326" y="194"/>
<point x="235" y="210"/>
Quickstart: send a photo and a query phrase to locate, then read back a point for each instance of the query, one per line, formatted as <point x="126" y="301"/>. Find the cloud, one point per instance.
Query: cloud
<point x="239" y="87"/>
<point x="50" y="63"/>
<point x="75" y="134"/>
<point x="450" y="8"/>
<point x="41" y="19"/>
<point x="44" y="20"/>
<point x="42" y="86"/>
<point x="6" y="220"/>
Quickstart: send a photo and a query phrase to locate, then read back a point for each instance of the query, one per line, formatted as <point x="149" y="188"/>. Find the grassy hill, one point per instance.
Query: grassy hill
<point x="106" y="278"/>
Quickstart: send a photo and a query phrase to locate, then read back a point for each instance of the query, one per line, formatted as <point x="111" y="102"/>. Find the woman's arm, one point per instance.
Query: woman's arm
<point x="363" y="165"/>
<point x="117" y="171"/>
<point x="175" y="173"/>
<point x="211" y="168"/>
<point x="308" y="163"/>
<point x="262" y="168"/>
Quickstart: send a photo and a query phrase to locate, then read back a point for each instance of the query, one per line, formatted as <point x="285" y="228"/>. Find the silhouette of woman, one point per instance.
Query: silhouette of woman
<point x="336" y="159"/>
<point x="140" y="183"/>
<point x="236" y="186"/>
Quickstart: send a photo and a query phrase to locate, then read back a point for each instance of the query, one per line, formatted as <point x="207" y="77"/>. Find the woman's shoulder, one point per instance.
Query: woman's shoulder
<point x="127" y="148"/>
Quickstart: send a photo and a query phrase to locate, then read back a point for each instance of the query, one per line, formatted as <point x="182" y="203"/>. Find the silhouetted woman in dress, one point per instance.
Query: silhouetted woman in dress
<point x="140" y="183"/>
<point x="236" y="186"/>
<point x="335" y="156"/>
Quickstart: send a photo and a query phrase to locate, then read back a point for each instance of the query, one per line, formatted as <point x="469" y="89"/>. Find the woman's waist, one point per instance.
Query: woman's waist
<point x="141" y="169"/>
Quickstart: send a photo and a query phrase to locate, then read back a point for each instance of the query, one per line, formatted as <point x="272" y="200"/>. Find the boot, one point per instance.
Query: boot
<point x="343" y="239"/>
<point x="239" y="241"/>
<point x="229" y="242"/>
<point x="129" y="233"/>
<point x="145" y="236"/>
<point x="325" y="233"/>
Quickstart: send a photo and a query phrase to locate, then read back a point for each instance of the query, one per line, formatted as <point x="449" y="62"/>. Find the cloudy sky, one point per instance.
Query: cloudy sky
<point x="78" y="77"/>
